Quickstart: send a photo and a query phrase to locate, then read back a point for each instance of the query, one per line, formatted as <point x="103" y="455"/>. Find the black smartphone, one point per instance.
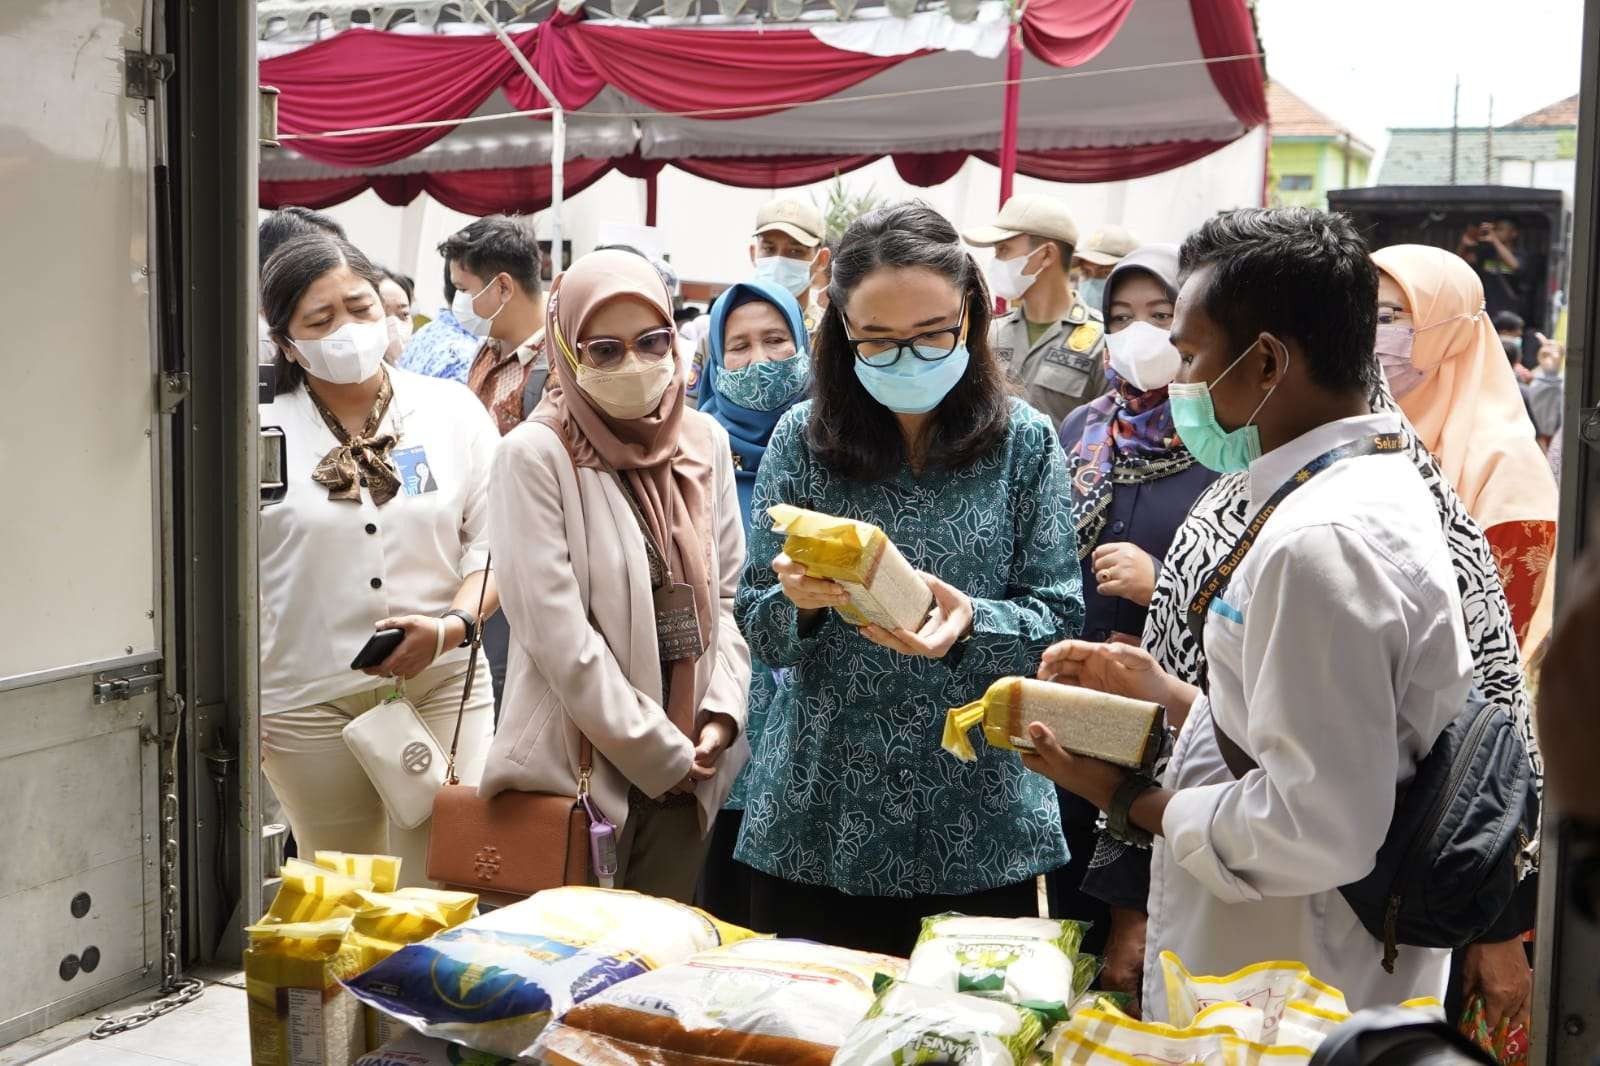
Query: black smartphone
<point x="377" y="648"/>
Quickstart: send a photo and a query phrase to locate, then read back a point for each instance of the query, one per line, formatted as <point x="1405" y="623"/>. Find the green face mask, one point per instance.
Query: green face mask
<point x="1194" y="417"/>
<point x="765" y="386"/>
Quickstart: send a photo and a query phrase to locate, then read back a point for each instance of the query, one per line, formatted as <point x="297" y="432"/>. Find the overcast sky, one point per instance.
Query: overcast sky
<point x="1375" y="64"/>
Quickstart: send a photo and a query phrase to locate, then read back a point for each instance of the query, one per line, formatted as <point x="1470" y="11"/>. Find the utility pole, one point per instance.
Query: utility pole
<point x="1488" y="146"/>
<point x="1455" y="130"/>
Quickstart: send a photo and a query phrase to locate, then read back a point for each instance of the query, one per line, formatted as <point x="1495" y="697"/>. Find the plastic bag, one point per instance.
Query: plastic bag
<point x="1020" y="960"/>
<point x="884" y="589"/>
<point x="310" y="893"/>
<point x="382" y="870"/>
<point x="1268" y="986"/>
<point x="770" y="1002"/>
<point x="387" y="922"/>
<point x="414" y="1049"/>
<point x="909" y="1025"/>
<point x="1103" y="726"/>
<point x="493" y="983"/>
<point x="1509" y="1046"/>
<point x="296" y="1010"/>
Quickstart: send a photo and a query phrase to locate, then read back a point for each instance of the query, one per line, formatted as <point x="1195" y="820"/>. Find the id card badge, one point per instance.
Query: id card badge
<point x="416" y="473"/>
<point x="677" y="623"/>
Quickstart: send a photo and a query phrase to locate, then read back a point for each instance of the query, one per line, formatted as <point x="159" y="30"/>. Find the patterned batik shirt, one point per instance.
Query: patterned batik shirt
<point x="848" y="786"/>
<point x="441" y="349"/>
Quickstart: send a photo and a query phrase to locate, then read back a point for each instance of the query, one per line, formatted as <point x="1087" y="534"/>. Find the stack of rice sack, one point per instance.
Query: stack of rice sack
<point x="979" y="991"/>
<point x="494" y="983"/>
<point x="330" y="921"/>
<point x="1271" y="1012"/>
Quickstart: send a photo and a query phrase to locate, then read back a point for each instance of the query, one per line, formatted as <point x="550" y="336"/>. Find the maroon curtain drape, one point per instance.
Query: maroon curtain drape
<point x="1066" y="33"/>
<point x="1225" y="28"/>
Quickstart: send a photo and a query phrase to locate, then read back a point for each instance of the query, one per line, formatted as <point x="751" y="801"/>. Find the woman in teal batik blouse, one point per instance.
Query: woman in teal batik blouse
<point x="856" y="822"/>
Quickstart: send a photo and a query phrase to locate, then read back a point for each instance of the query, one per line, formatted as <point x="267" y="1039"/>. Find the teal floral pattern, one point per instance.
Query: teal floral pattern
<point x="848" y="786"/>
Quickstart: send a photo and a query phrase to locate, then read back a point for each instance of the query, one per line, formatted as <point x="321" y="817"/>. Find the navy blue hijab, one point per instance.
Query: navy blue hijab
<point x="749" y="430"/>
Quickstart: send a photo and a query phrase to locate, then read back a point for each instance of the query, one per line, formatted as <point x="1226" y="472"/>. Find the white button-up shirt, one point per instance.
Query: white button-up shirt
<point x="1337" y="656"/>
<point x="331" y="568"/>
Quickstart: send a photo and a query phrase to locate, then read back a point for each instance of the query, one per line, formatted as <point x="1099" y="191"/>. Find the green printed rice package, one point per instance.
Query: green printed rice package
<point x="1020" y="960"/>
<point x="911" y="1025"/>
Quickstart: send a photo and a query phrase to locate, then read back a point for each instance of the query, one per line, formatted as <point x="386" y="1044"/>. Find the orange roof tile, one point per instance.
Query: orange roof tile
<point x="1560" y="113"/>
<point x="1293" y="117"/>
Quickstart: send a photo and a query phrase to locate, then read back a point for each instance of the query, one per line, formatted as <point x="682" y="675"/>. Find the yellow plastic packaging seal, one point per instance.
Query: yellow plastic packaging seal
<point x="382" y="870"/>
<point x="310" y="893"/>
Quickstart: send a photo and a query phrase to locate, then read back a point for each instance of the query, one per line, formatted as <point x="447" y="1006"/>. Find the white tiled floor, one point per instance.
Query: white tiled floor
<point x="211" y="1031"/>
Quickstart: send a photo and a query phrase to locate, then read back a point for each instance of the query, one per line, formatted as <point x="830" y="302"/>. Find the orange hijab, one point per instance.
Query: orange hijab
<point x="665" y="456"/>
<point x="1467" y="409"/>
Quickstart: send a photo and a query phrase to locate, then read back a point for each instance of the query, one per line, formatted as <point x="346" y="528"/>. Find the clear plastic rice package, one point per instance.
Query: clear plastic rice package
<point x="296" y="1010"/>
<point x="910" y="1025"/>
<point x="496" y="981"/>
<point x="414" y="1049"/>
<point x="884" y="588"/>
<point x="766" y="1002"/>
<point x="1114" y="728"/>
<point x="1020" y="960"/>
<point x="1270" y="986"/>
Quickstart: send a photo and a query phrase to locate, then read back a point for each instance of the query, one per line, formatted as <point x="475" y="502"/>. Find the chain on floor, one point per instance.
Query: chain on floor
<point x="187" y="991"/>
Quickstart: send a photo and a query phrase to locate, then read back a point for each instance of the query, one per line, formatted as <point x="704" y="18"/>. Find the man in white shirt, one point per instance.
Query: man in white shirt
<point x="1336" y="649"/>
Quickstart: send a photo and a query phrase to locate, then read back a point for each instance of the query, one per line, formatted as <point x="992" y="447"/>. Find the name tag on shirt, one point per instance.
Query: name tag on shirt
<point x="416" y="473"/>
<point x="1227" y="610"/>
<point x="1062" y="356"/>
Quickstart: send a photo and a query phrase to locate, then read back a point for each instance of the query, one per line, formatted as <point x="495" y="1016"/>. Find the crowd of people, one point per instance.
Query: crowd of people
<point x="588" y="484"/>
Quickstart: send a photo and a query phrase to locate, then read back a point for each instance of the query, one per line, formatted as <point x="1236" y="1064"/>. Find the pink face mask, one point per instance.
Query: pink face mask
<point x="1393" y="348"/>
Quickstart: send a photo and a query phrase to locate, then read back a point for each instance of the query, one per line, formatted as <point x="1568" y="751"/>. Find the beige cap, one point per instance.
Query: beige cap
<point x="1106" y="247"/>
<point x="1037" y="216"/>
<point x="800" y="219"/>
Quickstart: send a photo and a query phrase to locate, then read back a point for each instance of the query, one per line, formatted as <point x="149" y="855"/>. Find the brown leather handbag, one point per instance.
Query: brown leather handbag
<point x="517" y="843"/>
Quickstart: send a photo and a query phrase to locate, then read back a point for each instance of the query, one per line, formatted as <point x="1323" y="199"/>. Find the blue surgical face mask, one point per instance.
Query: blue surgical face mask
<point x="1092" y="291"/>
<point x="764" y="386"/>
<point x="915" y="386"/>
<point x="786" y="273"/>
<point x="1194" y="417"/>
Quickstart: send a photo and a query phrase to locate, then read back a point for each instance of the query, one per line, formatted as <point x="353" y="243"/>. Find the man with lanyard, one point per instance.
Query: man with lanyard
<point x="1332" y="632"/>
<point x="494" y="265"/>
<point x="1052" y="343"/>
<point x="786" y="250"/>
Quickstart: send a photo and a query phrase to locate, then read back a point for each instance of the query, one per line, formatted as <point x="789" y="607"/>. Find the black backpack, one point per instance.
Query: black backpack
<point x="1451" y="861"/>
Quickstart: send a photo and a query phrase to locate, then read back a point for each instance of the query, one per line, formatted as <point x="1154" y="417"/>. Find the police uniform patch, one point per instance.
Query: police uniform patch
<point x="1084" y="337"/>
<point x="1003" y="357"/>
<point x="1074" y="360"/>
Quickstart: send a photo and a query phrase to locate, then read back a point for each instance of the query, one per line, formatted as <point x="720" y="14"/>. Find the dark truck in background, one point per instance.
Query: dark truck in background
<point x="1451" y="217"/>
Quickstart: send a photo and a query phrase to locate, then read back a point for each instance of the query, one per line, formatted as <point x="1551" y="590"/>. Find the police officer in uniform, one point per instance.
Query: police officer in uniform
<point x="1051" y="343"/>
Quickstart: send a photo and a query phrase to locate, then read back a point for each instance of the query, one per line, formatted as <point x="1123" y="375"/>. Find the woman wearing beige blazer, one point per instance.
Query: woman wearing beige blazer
<point x="616" y="530"/>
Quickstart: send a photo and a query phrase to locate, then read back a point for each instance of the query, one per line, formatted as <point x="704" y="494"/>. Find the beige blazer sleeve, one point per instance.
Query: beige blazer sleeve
<point x="537" y="509"/>
<point x="729" y="689"/>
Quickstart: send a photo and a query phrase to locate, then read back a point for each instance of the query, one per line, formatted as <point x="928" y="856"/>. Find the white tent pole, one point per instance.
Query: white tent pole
<point x="558" y="136"/>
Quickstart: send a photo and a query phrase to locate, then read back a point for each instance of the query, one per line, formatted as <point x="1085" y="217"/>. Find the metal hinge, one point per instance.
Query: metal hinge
<point x="143" y="73"/>
<point x="174" y="389"/>
<point x="114" y="686"/>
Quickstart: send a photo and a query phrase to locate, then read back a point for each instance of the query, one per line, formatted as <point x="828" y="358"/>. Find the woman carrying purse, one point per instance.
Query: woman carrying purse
<point x="618" y="543"/>
<point x="382" y="527"/>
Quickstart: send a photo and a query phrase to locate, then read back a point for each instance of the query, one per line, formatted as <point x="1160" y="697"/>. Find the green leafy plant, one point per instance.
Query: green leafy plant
<point x="840" y="207"/>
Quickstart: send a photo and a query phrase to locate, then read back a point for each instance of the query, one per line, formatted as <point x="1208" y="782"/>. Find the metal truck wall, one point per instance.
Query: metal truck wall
<point x="80" y="588"/>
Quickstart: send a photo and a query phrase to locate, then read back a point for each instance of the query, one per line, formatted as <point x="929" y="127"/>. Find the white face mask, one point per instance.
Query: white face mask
<point x="1008" y="278"/>
<point x="350" y="354"/>
<point x="632" y="390"/>
<point x="462" y="307"/>
<point x="1143" y="355"/>
<point x="791" y="274"/>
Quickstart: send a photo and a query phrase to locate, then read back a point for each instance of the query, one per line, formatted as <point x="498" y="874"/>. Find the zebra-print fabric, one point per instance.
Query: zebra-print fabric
<point x="1213" y="527"/>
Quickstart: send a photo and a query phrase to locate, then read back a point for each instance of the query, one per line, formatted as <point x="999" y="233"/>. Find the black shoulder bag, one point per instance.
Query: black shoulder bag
<point x="1450" y="863"/>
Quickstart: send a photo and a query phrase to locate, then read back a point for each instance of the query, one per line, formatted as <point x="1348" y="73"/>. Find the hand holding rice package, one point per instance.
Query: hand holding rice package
<point x="494" y="983"/>
<point x="1031" y="961"/>
<point x="756" y="1003"/>
<point x="910" y="1025"/>
<point x="1115" y="729"/>
<point x="885" y="590"/>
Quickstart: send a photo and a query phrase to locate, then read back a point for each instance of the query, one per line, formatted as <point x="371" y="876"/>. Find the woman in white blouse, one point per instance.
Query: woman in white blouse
<point x="383" y="526"/>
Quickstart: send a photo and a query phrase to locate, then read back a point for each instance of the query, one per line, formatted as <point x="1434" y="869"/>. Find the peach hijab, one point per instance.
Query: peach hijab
<point x="1467" y="408"/>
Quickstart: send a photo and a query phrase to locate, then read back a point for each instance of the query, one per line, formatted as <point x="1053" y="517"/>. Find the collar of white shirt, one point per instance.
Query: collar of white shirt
<point x="1268" y="473"/>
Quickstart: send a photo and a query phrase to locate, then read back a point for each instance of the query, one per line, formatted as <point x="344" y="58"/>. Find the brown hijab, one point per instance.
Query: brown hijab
<point x="665" y="456"/>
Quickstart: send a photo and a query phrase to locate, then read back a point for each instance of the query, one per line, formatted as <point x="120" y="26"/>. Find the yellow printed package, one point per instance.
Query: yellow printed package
<point x="755" y="1003"/>
<point x="1267" y="986"/>
<point x="1019" y="960"/>
<point x="311" y="893"/>
<point x="494" y="983"/>
<point x="885" y="590"/>
<point x="298" y="1013"/>
<point x="382" y="870"/>
<point x="1113" y="728"/>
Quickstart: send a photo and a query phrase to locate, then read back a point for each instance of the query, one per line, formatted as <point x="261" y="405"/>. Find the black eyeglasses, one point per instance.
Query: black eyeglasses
<point x="929" y="347"/>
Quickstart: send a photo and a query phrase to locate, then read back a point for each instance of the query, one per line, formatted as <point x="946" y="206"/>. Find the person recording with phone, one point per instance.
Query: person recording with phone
<point x="377" y="551"/>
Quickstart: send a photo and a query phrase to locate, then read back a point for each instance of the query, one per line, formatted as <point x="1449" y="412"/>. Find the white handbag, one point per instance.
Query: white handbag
<point x="400" y="756"/>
